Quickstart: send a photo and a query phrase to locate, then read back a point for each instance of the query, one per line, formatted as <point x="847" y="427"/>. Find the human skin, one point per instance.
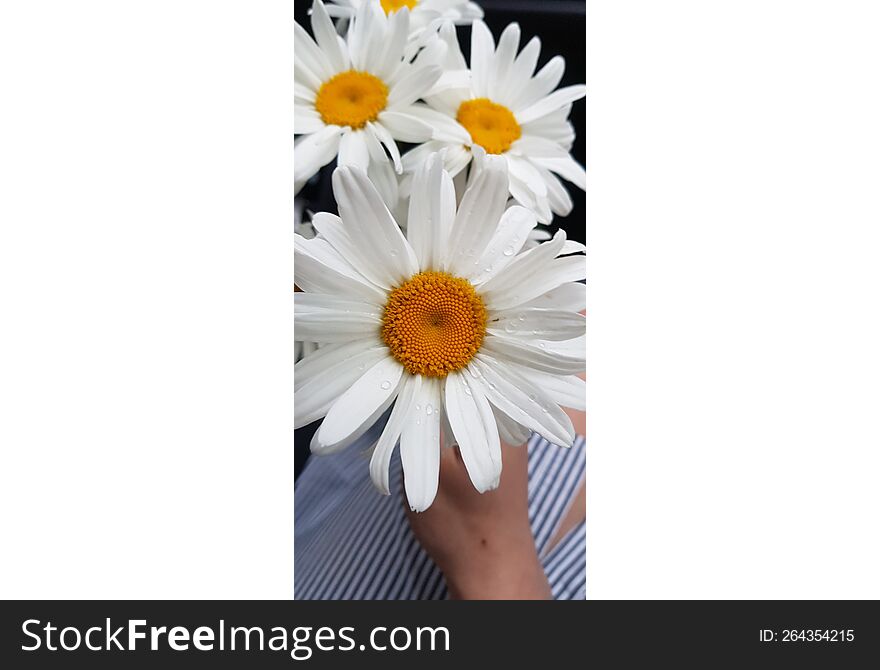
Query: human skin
<point x="483" y="543"/>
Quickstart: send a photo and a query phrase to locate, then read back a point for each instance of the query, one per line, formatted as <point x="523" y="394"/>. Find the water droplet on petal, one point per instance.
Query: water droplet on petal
<point x="510" y="327"/>
<point x="508" y="251"/>
<point x="542" y="345"/>
<point x="521" y="317"/>
<point x="386" y="385"/>
<point x="418" y="407"/>
<point x="428" y="409"/>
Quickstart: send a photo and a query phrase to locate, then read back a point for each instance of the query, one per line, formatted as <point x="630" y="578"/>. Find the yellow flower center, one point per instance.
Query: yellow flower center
<point x="351" y="99"/>
<point x="393" y="5"/>
<point x="434" y="323"/>
<point x="491" y="125"/>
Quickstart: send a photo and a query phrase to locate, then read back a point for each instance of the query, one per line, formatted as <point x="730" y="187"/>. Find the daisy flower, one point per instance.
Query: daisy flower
<point x="425" y="15"/>
<point x="506" y="109"/>
<point x="451" y="325"/>
<point x="354" y="96"/>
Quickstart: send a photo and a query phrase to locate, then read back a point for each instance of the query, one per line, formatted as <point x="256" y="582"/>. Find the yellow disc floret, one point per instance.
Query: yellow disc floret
<point x="351" y="99"/>
<point x="391" y="6"/>
<point x="491" y="125"/>
<point x="434" y="323"/>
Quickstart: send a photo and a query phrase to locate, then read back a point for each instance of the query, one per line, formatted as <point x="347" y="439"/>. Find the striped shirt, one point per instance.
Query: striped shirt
<point x="351" y="543"/>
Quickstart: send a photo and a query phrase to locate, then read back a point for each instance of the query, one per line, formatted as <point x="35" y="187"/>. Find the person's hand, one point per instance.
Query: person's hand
<point x="483" y="543"/>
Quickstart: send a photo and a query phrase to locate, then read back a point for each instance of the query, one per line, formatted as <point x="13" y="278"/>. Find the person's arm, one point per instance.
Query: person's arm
<point x="483" y="543"/>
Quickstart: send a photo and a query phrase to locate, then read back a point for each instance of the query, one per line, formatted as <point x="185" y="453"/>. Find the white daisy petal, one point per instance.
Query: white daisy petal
<point x="478" y="216"/>
<point x="551" y="103"/>
<point x="320" y="269"/>
<point x="306" y="120"/>
<point x="314" y="365"/>
<point x="523" y="170"/>
<point x="412" y="160"/>
<point x="541" y="84"/>
<point x="546" y="324"/>
<point x="534" y="146"/>
<point x="361" y="404"/>
<point x="456" y="159"/>
<point x="509" y="430"/>
<point x="308" y="57"/>
<point x="507" y="241"/>
<point x="505" y="390"/>
<point x="312" y="152"/>
<point x="303" y="95"/>
<point x="572" y="247"/>
<point x="361" y="257"/>
<point x="567" y="168"/>
<point x="420" y="447"/>
<point x="315" y="397"/>
<point x="557" y="194"/>
<point x="444" y="128"/>
<point x="353" y="150"/>
<point x="392" y="49"/>
<point x="569" y="391"/>
<point x="384" y="136"/>
<point x="532" y="273"/>
<point x="571" y="297"/>
<point x="523" y="351"/>
<point x="374" y="144"/>
<point x="405" y="127"/>
<point x="381" y="174"/>
<point x="474" y="428"/>
<point x="327" y="39"/>
<point x="412" y="86"/>
<point x="361" y="207"/>
<point x="454" y="60"/>
<point x="482" y="50"/>
<point x="431" y="213"/>
<point x="502" y="64"/>
<point x="333" y="321"/>
<point x="403" y="407"/>
<point x="524" y="65"/>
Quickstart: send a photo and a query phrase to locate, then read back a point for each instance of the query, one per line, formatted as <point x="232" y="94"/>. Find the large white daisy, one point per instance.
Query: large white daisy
<point x="502" y="106"/>
<point x="355" y="95"/>
<point x="451" y="323"/>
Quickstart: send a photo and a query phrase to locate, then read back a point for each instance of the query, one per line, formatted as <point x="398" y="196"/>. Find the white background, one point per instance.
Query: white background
<point x="734" y="321"/>
<point x="145" y="330"/>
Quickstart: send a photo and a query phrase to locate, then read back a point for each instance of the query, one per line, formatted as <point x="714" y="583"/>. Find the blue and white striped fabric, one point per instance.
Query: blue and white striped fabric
<point x="351" y="543"/>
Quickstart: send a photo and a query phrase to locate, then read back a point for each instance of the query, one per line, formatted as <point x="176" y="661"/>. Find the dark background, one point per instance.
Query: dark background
<point x="560" y="26"/>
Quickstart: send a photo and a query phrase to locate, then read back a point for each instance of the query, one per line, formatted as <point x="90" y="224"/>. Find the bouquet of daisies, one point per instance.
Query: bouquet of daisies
<point x="433" y="310"/>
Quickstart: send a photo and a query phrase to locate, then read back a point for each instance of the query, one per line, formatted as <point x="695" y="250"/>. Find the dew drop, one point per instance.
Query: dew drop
<point x="385" y="385"/>
<point x="542" y="345"/>
<point x="510" y="327"/>
<point x="508" y="251"/>
<point x="428" y="409"/>
<point x="532" y="397"/>
<point x="393" y="252"/>
<point x="418" y="407"/>
<point x="418" y="422"/>
<point x="467" y="390"/>
<point x="521" y="317"/>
